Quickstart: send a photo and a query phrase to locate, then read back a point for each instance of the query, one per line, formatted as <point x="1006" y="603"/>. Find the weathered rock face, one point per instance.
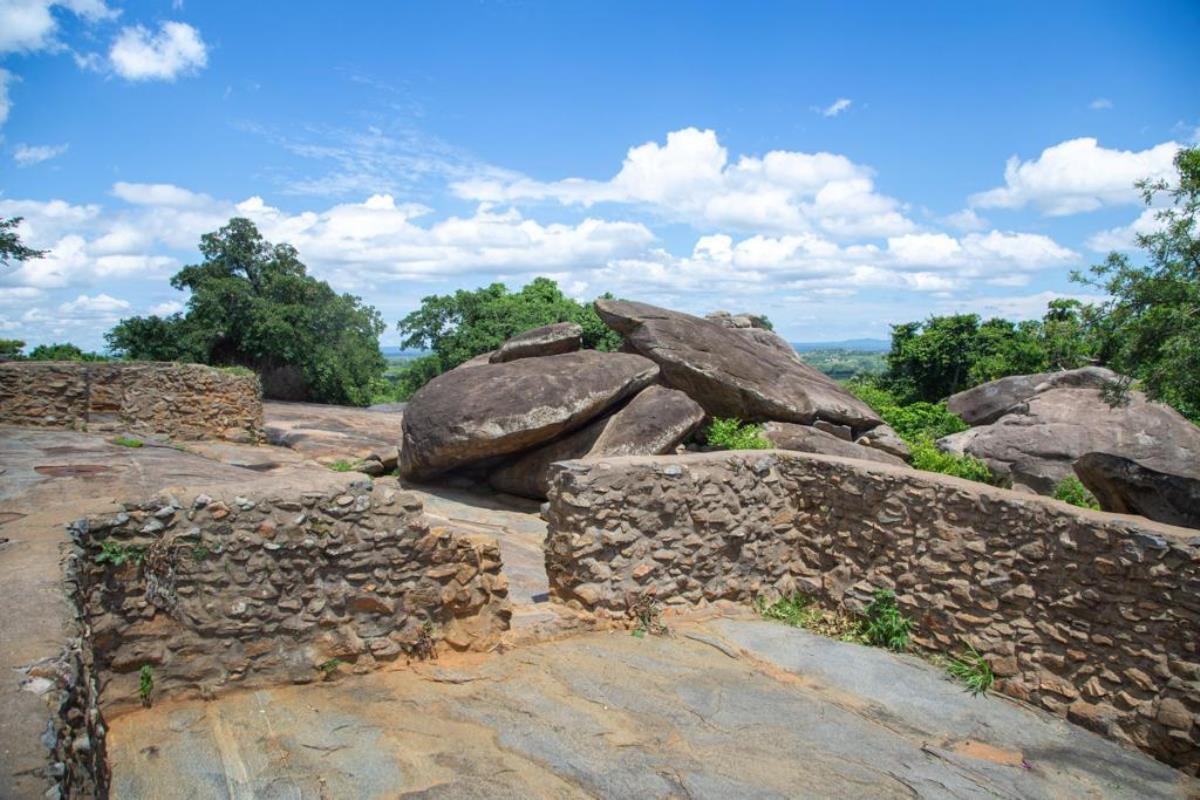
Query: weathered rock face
<point x="654" y="422"/>
<point x="1127" y="487"/>
<point x="806" y="439"/>
<point x="984" y="404"/>
<point x="466" y="415"/>
<point x="885" y="438"/>
<point x="548" y="340"/>
<point x="1037" y="441"/>
<point x="730" y="374"/>
<point x="752" y="326"/>
<point x="1089" y="615"/>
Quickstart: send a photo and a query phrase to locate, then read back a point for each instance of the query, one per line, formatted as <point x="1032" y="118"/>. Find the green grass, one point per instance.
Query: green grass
<point x="328" y="668"/>
<point x="117" y="554"/>
<point x="733" y="434"/>
<point x="342" y="465"/>
<point x="972" y="669"/>
<point x="799" y="611"/>
<point x="885" y="626"/>
<point x="926" y="455"/>
<point x="145" y="684"/>
<point x="126" y="441"/>
<point x="1071" y="490"/>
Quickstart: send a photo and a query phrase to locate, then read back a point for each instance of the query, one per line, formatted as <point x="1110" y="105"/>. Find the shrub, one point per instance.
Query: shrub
<point x="972" y="669"/>
<point x="927" y="456"/>
<point x="733" y="434"/>
<point x="1071" y="490"/>
<point x="885" y="626"/>
<point x="117" y="554"/>
<point x="145" y="684"/>
<point x="912" y="422"/>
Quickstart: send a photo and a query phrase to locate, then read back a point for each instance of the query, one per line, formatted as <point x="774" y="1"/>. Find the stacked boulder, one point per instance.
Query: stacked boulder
<point x="1137" y="456"/>
<point x="508" y="415"/>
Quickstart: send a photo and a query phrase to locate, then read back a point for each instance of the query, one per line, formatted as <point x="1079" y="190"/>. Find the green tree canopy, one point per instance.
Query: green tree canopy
<point x="11" y="248"/>
<point x="10" y="349"/>
<point x="63" y="352"/>
<point x="457" y="327"/>
<point x="1150" y="328"/>
<point x="254" y="305"/>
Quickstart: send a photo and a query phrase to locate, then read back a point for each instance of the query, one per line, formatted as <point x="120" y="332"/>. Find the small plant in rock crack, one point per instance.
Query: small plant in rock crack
<point x="884" y="625"/>
<point x="145" y="684"/>
<point x="127" y="441"/>
<point x="647" y="617"/>
<point x="972" y="669"/>
<point x="117" y="554"/>
<point x="342" y="465"/>
<point x="424" y="647"/>
<point x="329" y="668"/>
<point x="801" y="612"/>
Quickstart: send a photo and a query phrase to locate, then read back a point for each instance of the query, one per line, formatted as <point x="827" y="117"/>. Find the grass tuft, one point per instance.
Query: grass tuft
<point x="972" y="669"/>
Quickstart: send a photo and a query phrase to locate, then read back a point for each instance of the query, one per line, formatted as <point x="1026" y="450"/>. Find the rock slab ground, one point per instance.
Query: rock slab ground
<point x="729" y="708"/>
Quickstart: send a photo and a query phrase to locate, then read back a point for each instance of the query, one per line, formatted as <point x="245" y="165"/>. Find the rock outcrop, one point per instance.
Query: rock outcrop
<point x="654" y="422"/>
<point x="752" y="327"/>
<point x="1124" y="486"/>
<point x="885" y="438"/>
<point x="730" y="374"/>
<point x="986" y="403"/>
<point x="548" y="340"/>
<point x="1037" y="440"/>
<point x="807" y="439"/>
<point x="466" y="415"/>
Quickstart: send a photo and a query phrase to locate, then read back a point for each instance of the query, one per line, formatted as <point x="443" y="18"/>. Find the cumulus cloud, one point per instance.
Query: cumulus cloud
<point x="6" y="78"/>
<point x="27" y="155"/>
<point x="176" y="49"/>
<point x="167" y="308"/>
<point x="1076" y="176"/>
<point x="27" y="26"/>
<point x="101" y="305"/>
<point x="1124" y="237"/>
<point x="834" y="108"/>
<point x="1014" y="307"/>
<point x="691" y="178"/>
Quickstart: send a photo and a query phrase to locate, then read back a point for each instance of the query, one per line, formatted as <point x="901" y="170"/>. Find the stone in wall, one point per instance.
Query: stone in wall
<point x="266" y="588"/>
<point x="1093" y="616"/>
<point x="181" y="401"/>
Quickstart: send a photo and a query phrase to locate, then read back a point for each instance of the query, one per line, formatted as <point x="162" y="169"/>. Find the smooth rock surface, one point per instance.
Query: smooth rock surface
<point x="548" y="340"/>
<point x="1127" y="487"/>
<point x="752" y="326"/>
<point x="730" y="374"/>
<point x="806" y="439"/>
<point x="1039" y="439"/>
<point x="607" y="715"/>
<point x="984" y="404"/>
<point x="654" y="422"/>
<point x="884" y="437"/>
<point x="466" y="415"/>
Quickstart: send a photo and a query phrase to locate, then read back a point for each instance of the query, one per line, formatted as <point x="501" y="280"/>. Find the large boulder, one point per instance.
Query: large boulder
<point x="1038" y="440"/>
<point x="466" y="415"/>
<point x="885" y="438"/>
<point x="986" y="403"/>
<point x="548" y="340"/>
<point x="652" y="423"/>
<point x="730" y="374"/>
<point x="1124" y="486"/>
<point x="806" y="439"/>
<point x="752" y="327"/>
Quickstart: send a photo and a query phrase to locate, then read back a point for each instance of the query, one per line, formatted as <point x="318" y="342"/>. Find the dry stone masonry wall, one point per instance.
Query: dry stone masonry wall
<point x="263" y="589"/>
<point x="1093" y="616"/>
<point x="183" y="401"/>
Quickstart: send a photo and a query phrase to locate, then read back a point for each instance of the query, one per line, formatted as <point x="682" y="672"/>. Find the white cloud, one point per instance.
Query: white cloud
<point x="1100" y="104"/>
<point x="139" y="55"/>
<point x="1076" y="176"/>
<point x="1125" y="236"/>
<point x="28" y="155"/>
<point x="166" y="309"/>
<point x="30" y="25"/>
<point x="101" y="305"/>
<point x="691" y="179"/>
<point x="834" y="108"/>
<point x="5" y="102"/>
<point x="965" y="220"/>
<point x="158" y="194"/>
<point x="1016" y="307"/>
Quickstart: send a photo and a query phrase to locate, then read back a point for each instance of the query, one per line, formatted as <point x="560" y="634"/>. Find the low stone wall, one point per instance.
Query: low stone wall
<point x="183" y="401"/>
<point x="1092" y="616"/>
<point x="261" y="589"/>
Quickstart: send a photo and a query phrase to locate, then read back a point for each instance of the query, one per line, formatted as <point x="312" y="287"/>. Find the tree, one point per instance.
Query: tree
<point x="254" y="305"/>
<point x="11" y="248"/>
<point x="457" y="327"/>
<point x="62" y="352"/>
<point x="1150" y="328"/>
<point x="10" y="349"/>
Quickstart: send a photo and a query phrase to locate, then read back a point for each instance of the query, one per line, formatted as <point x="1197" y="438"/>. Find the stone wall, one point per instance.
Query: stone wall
<point x="266" y="588"/>
<point x="1093" y="616"/>
<point x="183" y="401"/>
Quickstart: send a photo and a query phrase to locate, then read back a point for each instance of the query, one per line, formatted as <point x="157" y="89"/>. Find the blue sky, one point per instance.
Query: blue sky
<point x="837" y="169"/>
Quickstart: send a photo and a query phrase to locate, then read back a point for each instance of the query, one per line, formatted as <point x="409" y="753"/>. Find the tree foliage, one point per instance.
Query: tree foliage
<point x="11" y="248"/>
<point x="457" y="327"/>
<point x="1150" y="328"/>
<point x="63" y="352"/>
<point x="254" y="305"/>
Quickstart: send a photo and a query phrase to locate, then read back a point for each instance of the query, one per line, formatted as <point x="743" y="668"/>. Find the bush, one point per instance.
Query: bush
<point x="885" y="626"/>
<point x="733" y="434"/>
<point x="1071" y="490"/>
<point x="927" y="456"/>
<point x="914" y="421"/>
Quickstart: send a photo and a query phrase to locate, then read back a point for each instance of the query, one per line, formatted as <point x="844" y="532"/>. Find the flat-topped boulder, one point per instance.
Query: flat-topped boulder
<point x="730" y="374"/>
<point x="654" y="422"/>
<point x="467" y="415"/>
<point x="548" y="340"/>
<point x="807" y="439"/>
<point x="986" y="403"/>
<point x="1124" y="486"/>
<point x="1037" y="441"/>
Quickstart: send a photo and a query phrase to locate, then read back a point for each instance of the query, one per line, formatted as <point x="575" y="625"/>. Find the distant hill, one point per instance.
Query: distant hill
<point x="864" y="345"/>
<point x="391" y="351"/>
